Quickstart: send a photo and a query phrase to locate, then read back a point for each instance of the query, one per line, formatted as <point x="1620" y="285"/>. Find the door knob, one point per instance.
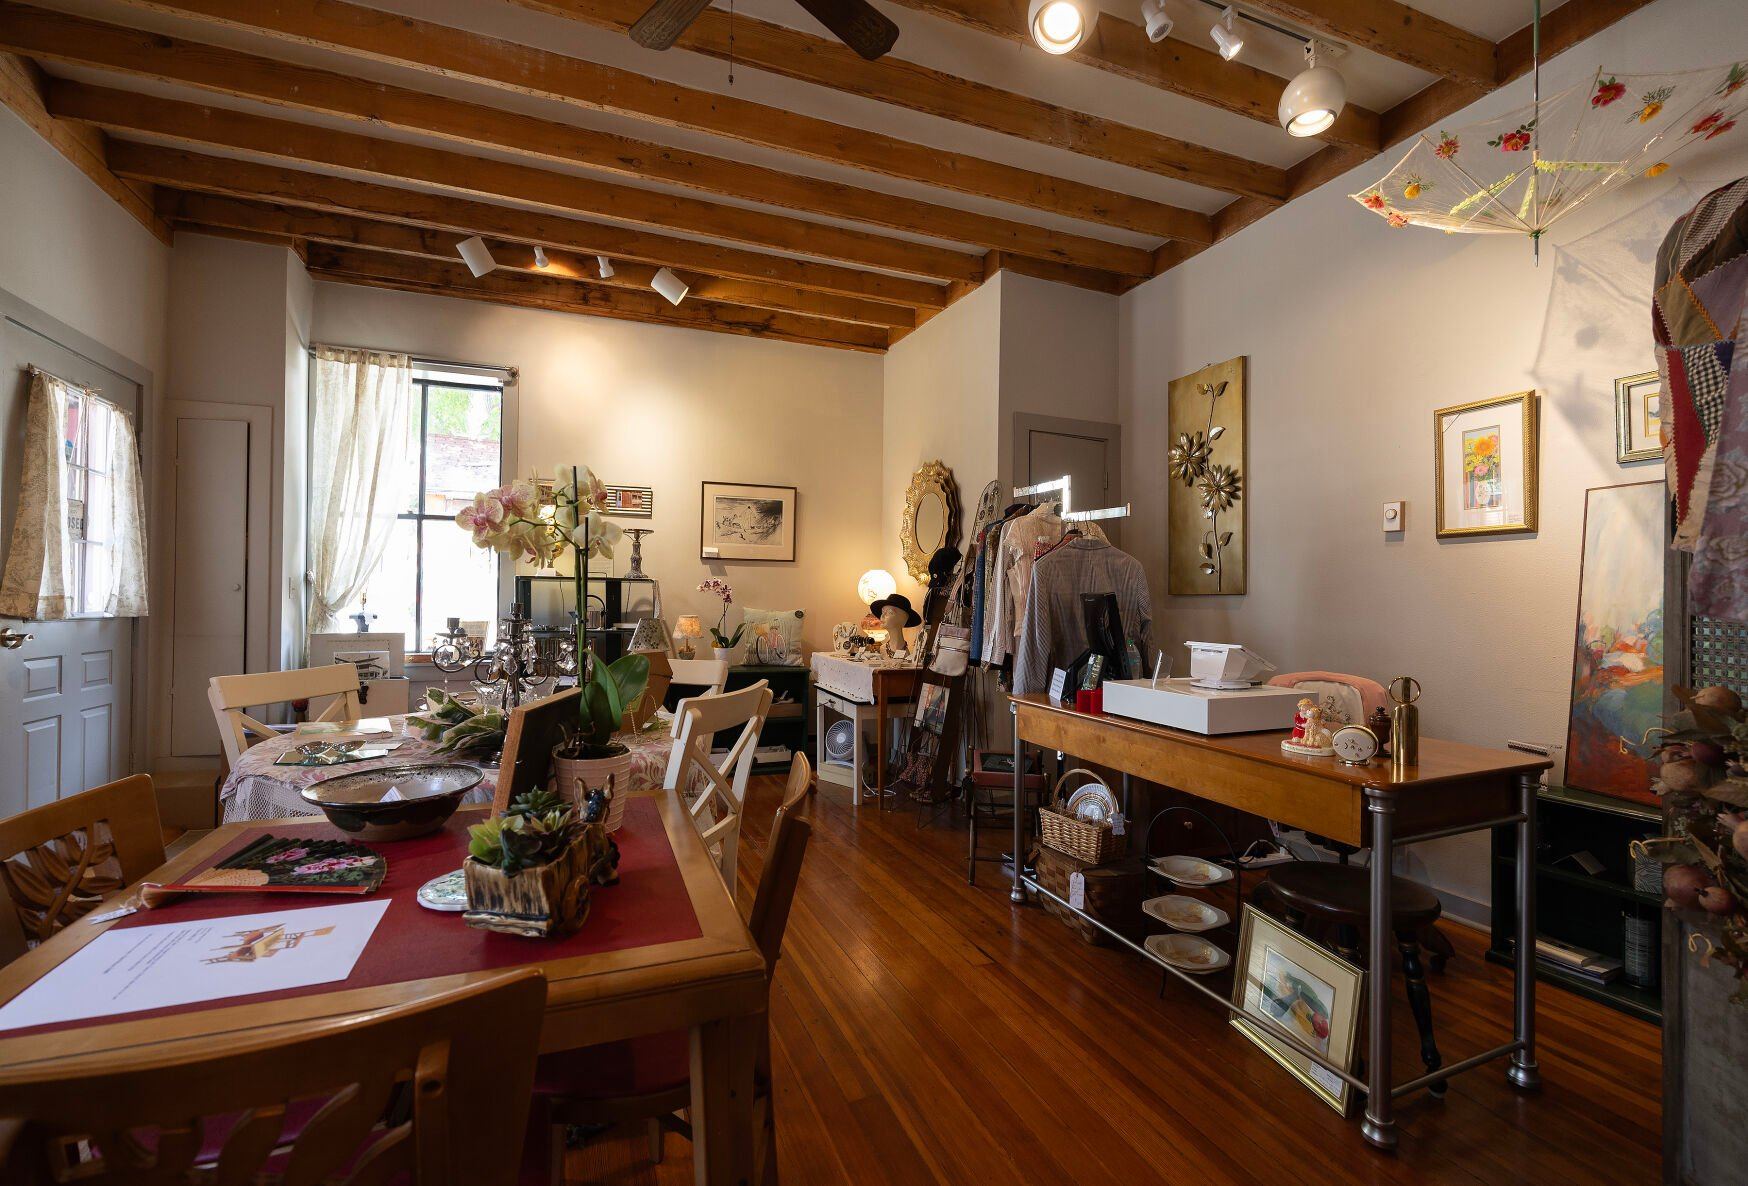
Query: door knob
<point x="13" y="639"/>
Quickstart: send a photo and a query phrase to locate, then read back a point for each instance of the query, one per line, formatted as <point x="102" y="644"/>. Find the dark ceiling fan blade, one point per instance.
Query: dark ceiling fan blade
<point x="663" y="22"/>
<point x="856" y="23"/>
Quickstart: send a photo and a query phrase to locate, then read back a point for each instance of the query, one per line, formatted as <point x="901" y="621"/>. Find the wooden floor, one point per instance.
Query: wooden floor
<point x="928" y="1032"/>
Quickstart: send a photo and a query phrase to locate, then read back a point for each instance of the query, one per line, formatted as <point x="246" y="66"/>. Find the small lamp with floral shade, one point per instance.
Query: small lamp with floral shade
<point x="686" y="628"/>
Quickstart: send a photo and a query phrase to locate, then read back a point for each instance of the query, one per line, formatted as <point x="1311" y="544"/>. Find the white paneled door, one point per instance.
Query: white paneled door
<point x="66" y="696"/>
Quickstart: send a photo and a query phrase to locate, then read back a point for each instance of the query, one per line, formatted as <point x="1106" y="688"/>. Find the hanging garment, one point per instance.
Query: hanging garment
<point x="995" y="595"/>
<point x="1053" y="633"/>
<point x="1698" y="321"/>
<point x="1021" y="547"/>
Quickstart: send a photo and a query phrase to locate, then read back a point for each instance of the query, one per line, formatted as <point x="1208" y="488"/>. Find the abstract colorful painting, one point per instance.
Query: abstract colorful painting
<point x="1617" y="666"/>
<point x="1481" y="488"/>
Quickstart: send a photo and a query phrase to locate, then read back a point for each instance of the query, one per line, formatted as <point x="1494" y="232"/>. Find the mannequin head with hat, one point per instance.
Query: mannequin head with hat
<point x="895" y="613"/>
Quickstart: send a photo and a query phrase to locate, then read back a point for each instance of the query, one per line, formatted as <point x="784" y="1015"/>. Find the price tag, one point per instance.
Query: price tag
<point x="1058" y="684"/>
<point x="1118" y="823"/>
<point x="1077" y="890"/>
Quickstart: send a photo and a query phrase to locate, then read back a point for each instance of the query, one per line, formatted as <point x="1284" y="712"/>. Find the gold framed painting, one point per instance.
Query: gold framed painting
<point x="1638" y="418"/>
<point x="1485" y="461"/>
<point x="1283" y="979"/>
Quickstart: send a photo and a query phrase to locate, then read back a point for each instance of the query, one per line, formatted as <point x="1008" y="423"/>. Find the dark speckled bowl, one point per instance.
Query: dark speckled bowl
<point x="429" y="796"/>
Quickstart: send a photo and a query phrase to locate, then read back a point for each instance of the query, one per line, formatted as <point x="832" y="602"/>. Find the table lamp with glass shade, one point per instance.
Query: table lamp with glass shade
<point x="875" y="584"/>
<point x="686" y="628"/>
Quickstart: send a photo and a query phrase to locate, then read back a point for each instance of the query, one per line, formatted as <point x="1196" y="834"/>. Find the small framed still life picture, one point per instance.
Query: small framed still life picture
<point x="1638" y="418"/>
<point x="1484" y="466"/>
<point x="1285" y="982"/>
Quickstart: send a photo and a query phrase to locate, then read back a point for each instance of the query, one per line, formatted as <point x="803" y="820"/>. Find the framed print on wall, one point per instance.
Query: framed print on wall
<point x="1313" y="994"/>
<point x="1207" y="541"/>
<point x="1484" y="466"/>
<point x="1638" y="418"/>
<point x="741" y="522"/>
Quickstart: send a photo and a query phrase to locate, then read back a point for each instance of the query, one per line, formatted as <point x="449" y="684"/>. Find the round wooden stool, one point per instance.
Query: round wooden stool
<point x="1340" y="895"/>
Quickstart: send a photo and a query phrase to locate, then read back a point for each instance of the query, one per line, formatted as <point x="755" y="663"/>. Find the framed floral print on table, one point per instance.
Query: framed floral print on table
<point x="1638" y="418"/>
<point x="1313" y="994"/>
<point x="1485" y="457"/>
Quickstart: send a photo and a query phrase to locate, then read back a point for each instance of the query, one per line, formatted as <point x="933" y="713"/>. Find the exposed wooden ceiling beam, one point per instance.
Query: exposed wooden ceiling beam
<point x="824" y="62"/>
<point x="1115" y="45"/>
<point x="341" y="230"/>
<point x="383" y="270"/>
<point x="23" y="89"/>
<point x="1396" y="31"/>
<point x="181" y="169"/>
<point x="65" y="38"/>
<point x="439" y="49"/>
<point x="1563" y="28"/>
<point x="285" y="140"/>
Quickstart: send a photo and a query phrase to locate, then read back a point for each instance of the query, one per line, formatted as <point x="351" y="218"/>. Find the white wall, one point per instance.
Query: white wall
<point x="670" y="408"/>
<point x="1355" y="333"/>
<point x="1058" y="357"/>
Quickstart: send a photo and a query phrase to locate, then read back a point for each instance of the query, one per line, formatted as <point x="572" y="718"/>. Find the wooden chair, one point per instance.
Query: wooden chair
<point x="1338" y="896"/>
<point x="59" y="861"/>
<point x="709" y="674"/>
<point x="231" y="694"/>
<point x="717" y="809"/>
<point x="393" y="1093"/>
<point x="648" y="1079"/>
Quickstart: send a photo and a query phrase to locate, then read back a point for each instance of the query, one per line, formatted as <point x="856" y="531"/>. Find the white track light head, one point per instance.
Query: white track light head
<point x="539" y="256"/>
<point x="1314" y="99"/>
<point x="1058" y="25"/>
<point x="473" y="251"/>
<point x="1227" y="36"/>
<point x="1158" y="23"/>
<point x="670" y="286"/>
<point x="605" y="266"/>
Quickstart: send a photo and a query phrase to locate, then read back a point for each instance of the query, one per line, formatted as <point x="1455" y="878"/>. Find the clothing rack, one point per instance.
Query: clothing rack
<point x="1063" y="488"/>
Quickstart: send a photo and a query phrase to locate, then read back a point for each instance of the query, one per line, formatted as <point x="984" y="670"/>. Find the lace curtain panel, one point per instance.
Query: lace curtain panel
<point x="40" y="579"/>
<point x="362" y="457"/>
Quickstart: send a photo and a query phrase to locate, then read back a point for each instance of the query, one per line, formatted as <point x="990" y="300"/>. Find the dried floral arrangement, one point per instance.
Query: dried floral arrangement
<point x="1703" y="782"/>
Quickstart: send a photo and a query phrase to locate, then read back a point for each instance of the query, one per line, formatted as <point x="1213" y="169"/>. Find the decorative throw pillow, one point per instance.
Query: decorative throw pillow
<point x="774" y="637"/>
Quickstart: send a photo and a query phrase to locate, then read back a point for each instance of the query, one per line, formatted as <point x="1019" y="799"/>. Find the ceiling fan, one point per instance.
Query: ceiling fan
<point x="856" y="23"/>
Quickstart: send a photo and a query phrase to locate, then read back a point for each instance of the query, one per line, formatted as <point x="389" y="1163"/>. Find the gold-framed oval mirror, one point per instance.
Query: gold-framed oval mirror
<point x="931" y="517"/>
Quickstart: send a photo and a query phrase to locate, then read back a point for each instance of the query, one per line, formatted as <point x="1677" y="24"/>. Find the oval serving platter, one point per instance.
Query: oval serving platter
<point x="1188" y="952"/>
<point x="1184" y="913"/>
<point x="1191" y="870"/>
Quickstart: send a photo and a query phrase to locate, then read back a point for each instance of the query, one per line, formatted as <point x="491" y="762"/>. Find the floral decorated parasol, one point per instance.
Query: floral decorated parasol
<point x="1524" y="171"/>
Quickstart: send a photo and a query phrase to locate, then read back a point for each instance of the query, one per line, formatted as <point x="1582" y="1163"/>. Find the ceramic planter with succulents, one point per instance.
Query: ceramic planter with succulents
<point x="529" y="871"/>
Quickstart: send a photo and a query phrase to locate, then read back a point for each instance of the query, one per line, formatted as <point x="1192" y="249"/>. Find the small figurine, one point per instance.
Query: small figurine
<point x="1310" y="737"/>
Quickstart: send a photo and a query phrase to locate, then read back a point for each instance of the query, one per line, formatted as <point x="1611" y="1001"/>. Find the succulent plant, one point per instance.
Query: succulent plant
<point x="538" y="828"/>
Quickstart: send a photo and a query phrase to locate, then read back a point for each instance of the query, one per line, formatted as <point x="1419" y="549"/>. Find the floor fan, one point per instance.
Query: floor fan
<point x="856" y="23"/>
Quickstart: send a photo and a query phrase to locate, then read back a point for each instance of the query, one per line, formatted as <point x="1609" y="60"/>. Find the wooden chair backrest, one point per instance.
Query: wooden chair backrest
<point x="709" y="674"/>
<point x="60" y="860"/>
<point x="465" y="1056"/>
<point x="717" y="810"/>
<point x="790" y="830"/>
<point x="231" y="694"/>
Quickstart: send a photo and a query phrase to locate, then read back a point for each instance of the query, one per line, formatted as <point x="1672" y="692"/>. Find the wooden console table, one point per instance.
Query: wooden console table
<point x="1454" y="789"/>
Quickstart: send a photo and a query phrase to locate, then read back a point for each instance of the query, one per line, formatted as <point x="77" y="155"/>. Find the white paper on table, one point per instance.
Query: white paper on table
<point x="183" y="963"/>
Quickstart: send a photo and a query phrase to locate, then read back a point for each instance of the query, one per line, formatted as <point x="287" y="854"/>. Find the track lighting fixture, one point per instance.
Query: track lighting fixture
<point x="1226" y="34"/>
<point x="1158" y="24"/>
<point x="1057" y="25"/>
<point x="605" y="266"/>
<point x="539" y="256"/>
<point x="670" y="286"/>
<point x="473" y="251"/>
<point x="1314" y="99"/>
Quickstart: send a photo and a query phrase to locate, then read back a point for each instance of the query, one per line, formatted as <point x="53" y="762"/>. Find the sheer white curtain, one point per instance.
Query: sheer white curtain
<point x="362" y="460"/>
<point x="126" y="596"/>
<point x="38" y="583"/>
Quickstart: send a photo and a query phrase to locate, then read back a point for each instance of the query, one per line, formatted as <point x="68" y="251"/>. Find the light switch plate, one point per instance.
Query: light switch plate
<point x="1395" y="514"/>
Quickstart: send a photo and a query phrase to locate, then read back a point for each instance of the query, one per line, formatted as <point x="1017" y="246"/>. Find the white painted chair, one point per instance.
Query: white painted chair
<point x="717" y="810"/>
<point x="709" y="674"/>
<point x="231" y="694"/>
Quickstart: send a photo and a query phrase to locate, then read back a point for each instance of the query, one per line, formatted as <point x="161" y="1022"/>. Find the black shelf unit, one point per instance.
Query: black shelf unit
<point x="1573" y="906"/>
<point x="610" y="641"/>
<point x="791" y="708"/>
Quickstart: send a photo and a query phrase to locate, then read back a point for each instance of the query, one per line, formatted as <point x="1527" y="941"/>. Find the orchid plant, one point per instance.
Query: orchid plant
<point x="723" y="590"/>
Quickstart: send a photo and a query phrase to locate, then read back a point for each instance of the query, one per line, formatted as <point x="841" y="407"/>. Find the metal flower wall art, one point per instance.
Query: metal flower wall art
<point x="1206" y="464"/>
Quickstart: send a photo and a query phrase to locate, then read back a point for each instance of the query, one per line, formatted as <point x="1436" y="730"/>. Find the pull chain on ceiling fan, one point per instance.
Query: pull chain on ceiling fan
<point x="856" y="23"/>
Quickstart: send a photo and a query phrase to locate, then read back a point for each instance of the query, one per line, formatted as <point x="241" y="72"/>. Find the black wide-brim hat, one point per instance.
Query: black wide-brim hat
<point x="900" y="601"/>
<point x="943" y="564"/>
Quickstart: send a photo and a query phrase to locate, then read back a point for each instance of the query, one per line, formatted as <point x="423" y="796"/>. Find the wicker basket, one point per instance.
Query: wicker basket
<point x="1112" y="894"/>
<point x="1094" y="843"/>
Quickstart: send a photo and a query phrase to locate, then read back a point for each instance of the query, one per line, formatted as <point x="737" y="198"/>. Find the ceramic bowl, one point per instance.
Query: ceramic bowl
<point x="1192" y="870"/>
<point x="1183" y="913"/>
<point x="425" y="797"/>
<point x="1188" y="952"/>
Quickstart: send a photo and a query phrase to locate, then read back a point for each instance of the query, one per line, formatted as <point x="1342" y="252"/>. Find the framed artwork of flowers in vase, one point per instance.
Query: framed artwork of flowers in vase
<point x="1484" y="466"/>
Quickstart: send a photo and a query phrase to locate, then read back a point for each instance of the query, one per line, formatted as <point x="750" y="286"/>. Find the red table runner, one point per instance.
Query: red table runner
<point x="650" y="905"/>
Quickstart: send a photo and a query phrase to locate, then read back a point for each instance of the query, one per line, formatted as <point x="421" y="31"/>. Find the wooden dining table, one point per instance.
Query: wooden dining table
<point x="662" y="950"/>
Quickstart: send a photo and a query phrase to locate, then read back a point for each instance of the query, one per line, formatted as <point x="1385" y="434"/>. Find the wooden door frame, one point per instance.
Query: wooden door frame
<point x="141" y="636"/>
<point x="259" y="653"/>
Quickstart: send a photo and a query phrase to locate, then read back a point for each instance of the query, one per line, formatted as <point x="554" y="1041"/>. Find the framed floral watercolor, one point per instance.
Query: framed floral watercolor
<point x="1638" y="418"/>
<point x="1484" y="466"/>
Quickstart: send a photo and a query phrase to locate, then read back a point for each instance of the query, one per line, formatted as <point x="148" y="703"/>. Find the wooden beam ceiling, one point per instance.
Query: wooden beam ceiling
<point x="1396" y="31"/>
<point x="384" y="270"/>
<point x="59" y="37"/>
<point x="439" y="49"/>
<point x="340" y="230"/>
<point x="181" y="169"/>
<point x="1120" y="47"/>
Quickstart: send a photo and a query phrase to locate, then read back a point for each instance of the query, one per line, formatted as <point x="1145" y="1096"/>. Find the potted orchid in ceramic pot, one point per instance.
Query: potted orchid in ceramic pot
<point x="515" y="521"/>
<point x="724" y="643"/>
